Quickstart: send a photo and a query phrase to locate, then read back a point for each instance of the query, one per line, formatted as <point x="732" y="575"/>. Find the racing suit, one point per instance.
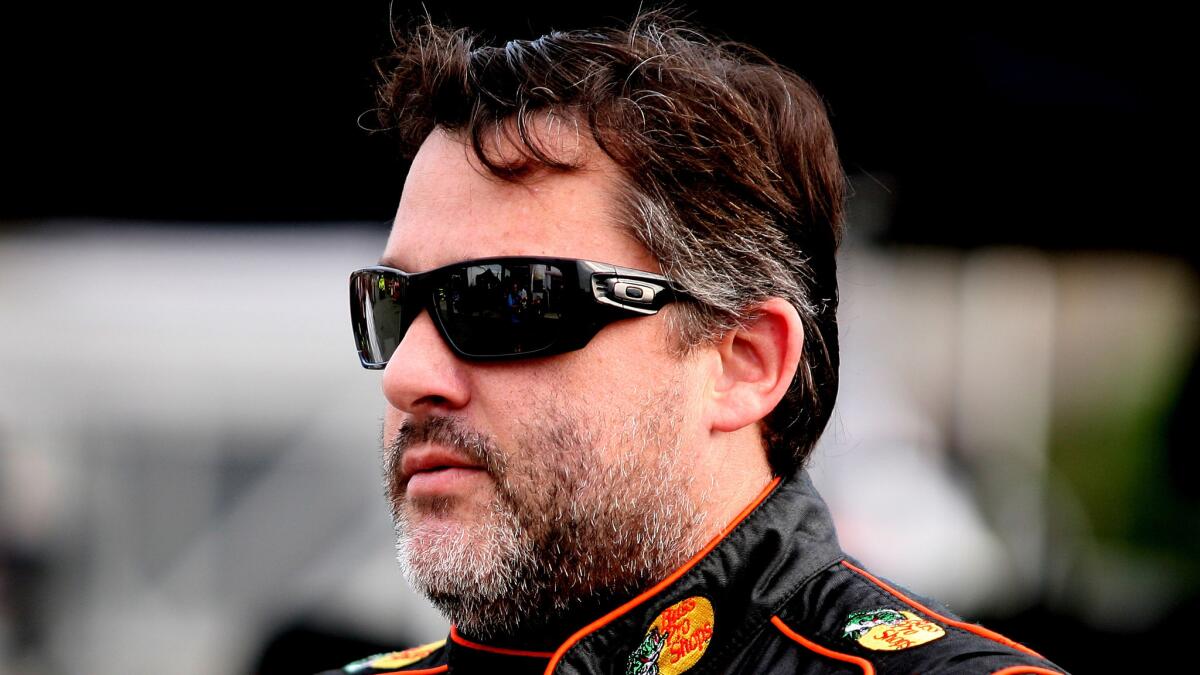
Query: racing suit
<point x="773" y="594"/>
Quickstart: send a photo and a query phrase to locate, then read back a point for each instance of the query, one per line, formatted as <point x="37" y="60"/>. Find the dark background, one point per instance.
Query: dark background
<point x="1057" y="132"/>
<point x="1006" y="127"/>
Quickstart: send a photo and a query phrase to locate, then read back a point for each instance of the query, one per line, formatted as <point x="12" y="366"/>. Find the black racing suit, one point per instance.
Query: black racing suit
<point x="775" y="594"/>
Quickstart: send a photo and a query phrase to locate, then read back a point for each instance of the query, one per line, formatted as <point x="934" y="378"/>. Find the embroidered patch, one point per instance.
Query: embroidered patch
<point x="395" y="659"/>
<point x="361" y="664"/>
<point x="886" y="629"/>
<point x="858" y="623"/>
<point x="675" y="640"/>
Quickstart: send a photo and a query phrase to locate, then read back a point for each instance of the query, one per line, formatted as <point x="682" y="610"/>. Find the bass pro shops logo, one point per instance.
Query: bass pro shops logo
<point x="886" y="629"/>
<point x="675" y="641"/>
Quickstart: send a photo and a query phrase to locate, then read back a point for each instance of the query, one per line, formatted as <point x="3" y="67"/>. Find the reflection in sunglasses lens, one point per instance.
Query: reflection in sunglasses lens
<point x="498" y="309"/>
<point x="376" y="313"/>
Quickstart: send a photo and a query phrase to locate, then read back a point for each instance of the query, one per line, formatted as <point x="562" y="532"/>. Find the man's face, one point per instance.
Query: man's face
<point x="523" y="490"/>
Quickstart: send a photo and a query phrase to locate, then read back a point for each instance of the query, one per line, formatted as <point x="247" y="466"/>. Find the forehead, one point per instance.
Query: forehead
<point x="452" y="209"/>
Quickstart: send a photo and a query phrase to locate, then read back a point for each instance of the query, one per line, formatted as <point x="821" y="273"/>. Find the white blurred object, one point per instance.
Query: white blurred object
<point x="193" y="440"/>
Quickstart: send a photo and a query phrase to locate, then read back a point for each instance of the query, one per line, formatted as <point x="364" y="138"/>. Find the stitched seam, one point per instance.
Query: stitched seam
<point x="982" y="632"/>
<point x="737" y="642"/>
<point x="866" y="666"/>
<point x="889" y="599"/>
<point x="478" y="646"/>
<point x="424" y="671"/>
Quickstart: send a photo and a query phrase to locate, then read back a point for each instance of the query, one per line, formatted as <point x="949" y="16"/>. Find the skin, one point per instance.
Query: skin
<point x="452" y="210"/>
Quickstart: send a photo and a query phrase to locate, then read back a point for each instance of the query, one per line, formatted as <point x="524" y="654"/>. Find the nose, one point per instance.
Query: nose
<point x="424" y="377"/>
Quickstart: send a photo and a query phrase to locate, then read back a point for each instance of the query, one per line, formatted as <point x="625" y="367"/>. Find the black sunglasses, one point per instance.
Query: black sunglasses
<point x="501" y="308"/>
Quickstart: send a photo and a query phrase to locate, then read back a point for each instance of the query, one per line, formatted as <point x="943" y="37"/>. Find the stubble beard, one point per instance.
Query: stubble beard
<point x="572" y="525"/>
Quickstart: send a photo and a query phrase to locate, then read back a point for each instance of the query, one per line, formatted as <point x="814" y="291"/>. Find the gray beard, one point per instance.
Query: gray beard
<point x="565" y="531"/>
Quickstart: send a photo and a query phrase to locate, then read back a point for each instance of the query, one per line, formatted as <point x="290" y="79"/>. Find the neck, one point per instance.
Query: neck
<point x="548" y="634"/>
<point x="731" y="471"/>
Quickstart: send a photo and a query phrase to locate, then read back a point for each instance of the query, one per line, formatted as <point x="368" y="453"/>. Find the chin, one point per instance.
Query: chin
<point x="440" y="516"/>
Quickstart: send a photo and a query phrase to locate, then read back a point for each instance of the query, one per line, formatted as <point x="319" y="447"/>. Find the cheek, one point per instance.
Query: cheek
<point x="631" y="353"/>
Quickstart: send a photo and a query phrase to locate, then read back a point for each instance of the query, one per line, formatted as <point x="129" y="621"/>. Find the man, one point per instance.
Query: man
<point x="620" y="487"/>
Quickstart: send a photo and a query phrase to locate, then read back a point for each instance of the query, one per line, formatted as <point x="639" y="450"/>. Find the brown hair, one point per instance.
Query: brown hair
<point x="732" y="177"/>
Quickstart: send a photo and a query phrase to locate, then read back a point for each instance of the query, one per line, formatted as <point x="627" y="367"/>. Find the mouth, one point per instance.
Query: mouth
<point x="432" y="472"/>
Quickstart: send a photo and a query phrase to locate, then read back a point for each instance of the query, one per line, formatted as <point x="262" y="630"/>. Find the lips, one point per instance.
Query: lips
<point x="430" y="471"/>
<point x="428" y="458"/>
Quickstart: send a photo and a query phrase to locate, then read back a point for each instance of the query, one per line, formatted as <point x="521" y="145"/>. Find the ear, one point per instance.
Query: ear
<point x="756" y="365"/>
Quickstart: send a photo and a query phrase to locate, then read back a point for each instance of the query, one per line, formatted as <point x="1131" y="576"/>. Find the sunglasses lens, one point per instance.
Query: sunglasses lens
<point x="376" y="300"/>
<point x="494" y="309"/>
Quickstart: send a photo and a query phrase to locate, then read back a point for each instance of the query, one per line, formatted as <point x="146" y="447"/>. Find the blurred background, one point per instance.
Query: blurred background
<point x="189" y="449"/>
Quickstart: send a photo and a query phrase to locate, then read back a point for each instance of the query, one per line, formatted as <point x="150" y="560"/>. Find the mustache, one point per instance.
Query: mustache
<point x="449" y="432"/>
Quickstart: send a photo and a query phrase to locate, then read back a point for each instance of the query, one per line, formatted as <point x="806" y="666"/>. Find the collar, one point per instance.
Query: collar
<point x="467" y="656"/>
<point x="713" y="604"/>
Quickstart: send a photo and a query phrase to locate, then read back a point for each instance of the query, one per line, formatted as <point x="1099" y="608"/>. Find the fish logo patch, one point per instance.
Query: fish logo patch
<point x="675" y="641"/>
<point x="887" y="629"/>
<point x="396" y="659"/>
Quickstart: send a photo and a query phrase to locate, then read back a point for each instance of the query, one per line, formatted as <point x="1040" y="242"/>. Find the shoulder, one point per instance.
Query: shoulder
<point x="847" y="617"/>
<point x="429" y="658"/>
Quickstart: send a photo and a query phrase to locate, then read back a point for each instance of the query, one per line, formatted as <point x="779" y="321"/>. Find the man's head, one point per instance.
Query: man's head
<point x="524" y="490"/>
<point x="728" y="171"/>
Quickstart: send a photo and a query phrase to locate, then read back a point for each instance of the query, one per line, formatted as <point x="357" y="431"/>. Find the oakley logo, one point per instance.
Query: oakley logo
<point x="627" y="292"/>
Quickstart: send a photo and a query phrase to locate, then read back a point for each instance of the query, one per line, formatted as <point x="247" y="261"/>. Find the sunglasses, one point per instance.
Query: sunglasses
<point x="501" y="308"/>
